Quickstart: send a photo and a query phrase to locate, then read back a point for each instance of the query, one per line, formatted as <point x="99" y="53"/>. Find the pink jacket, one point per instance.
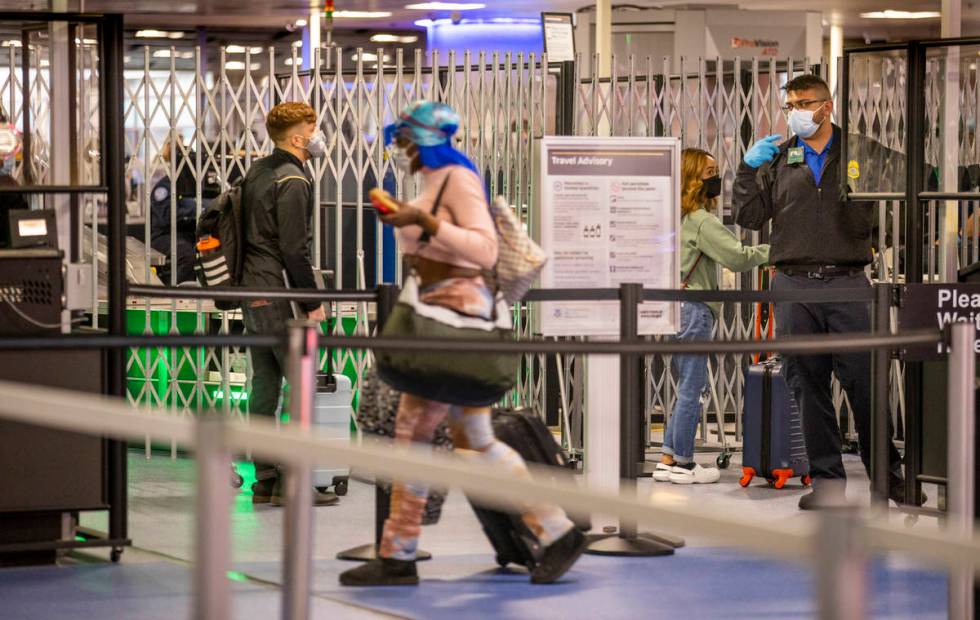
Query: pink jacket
<point x="466" y="237"/>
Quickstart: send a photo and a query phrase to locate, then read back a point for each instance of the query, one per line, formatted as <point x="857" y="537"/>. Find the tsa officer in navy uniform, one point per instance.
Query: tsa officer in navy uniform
<point x="819" y="241"/>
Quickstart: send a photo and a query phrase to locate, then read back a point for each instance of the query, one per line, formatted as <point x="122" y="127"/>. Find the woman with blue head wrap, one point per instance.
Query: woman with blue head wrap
<point x="427" y="126"/>
<point x="449" y="241"/>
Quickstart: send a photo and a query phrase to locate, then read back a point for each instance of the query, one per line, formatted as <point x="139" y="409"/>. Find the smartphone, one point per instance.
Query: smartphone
<point x="383" y="201"/>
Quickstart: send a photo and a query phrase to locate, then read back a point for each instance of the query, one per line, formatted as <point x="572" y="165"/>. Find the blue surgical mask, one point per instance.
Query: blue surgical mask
<point x="802" y="124"/>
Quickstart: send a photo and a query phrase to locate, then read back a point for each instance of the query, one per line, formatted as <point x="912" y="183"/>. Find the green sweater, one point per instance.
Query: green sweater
<point x="703" y="233"/>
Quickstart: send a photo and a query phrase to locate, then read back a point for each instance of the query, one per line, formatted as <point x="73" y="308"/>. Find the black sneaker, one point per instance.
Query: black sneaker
<point x="559" y="556"/>
<point x="382" y="572"/>
<point x="828" y="494"/>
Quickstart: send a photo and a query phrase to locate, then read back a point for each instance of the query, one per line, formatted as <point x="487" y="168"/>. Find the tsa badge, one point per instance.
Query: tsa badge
<point x="795" y="155"/>
<point x="853" y="170"/>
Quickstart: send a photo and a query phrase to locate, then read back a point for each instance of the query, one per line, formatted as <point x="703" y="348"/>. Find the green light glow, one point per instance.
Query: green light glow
<point x="236" y="576"/>
<point x="246" y="469"/>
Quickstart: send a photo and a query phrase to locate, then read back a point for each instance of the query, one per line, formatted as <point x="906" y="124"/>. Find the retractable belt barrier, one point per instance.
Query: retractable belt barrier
<point x="807" y="344"/>
<point x="863" y="295"/>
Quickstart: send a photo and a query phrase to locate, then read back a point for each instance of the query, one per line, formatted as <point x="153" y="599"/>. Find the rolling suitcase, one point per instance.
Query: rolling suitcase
<point x="525" y="433"/>
<point x="332" y="412"/>
<point x="773" y="444"/>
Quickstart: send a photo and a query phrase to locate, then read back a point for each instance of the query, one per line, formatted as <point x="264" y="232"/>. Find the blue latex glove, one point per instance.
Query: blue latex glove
<point x="762" y="151"/>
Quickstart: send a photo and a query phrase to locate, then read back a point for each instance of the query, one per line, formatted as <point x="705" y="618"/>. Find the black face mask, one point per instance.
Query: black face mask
<point x="712" y="186"/>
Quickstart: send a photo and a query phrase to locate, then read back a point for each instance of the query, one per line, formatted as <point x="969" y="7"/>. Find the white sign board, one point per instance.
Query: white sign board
<point x="609" y="212"/>
<point x="559" y="36"/>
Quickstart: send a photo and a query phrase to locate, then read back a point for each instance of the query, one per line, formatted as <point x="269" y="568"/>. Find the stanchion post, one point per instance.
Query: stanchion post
<point x="629" y="542"/>
<point x="841" y="566"/>
<point x="630" y="298"/>
<point x="880" y="439"/>
<point x="387" y="298"/>
<point x="297" y="568"/>
<point x="212" y="600"/>
<point x="961" y="392"/>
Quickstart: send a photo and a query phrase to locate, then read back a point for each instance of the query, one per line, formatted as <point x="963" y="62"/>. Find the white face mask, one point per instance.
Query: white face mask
<point x="401" y="158"/>
<point x="802" y="124"/>
<point x="317" y="146"/>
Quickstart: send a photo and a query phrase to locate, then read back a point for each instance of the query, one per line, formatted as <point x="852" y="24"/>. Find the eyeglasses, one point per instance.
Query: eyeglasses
<point x="802" y="104"/>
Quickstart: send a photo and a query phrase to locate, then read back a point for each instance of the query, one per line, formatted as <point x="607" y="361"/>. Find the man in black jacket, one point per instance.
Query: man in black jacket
<point x="277" y="209"/>
<point x="819" y="241"/>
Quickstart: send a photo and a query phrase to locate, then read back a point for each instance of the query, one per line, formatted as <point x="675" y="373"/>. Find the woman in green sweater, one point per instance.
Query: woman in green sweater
<point x="705" y="244"/>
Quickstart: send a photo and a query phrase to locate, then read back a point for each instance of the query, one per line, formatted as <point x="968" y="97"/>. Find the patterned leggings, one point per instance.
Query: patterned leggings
<point x="472" y="435"/>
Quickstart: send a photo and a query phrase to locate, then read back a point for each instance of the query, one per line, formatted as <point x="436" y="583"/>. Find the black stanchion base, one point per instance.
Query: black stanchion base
<point x="368" y="552"/>
<point x="642" y="545"/>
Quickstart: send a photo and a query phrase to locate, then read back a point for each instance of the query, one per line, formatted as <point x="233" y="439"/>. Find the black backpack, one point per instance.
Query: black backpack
<point x="222" y="221"/>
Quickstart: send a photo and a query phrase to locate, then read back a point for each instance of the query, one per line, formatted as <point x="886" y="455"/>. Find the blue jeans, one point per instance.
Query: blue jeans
<point x="697" y="321"/>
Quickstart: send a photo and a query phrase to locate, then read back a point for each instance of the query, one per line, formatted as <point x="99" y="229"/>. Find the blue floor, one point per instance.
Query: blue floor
<point x="154" y="581"/>
<point x="695" y="583"/>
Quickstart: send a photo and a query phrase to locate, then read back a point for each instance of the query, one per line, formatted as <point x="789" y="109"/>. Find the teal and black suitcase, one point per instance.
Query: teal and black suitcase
<point x="772" y="442"/>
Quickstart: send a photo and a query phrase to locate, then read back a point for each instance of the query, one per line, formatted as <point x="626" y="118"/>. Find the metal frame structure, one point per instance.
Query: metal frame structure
<point x="720" y="105"/>
<point x="924" y="236"/>
<point x="107" y="66"/>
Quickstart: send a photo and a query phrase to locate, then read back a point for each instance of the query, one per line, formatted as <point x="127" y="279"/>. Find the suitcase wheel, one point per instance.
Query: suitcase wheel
<point x="806" y="480"/>
<point x="723" y="460"/>
<point x="748" y="474"/>
<point x="340" y="485"/>
<point x="782" y="476"/>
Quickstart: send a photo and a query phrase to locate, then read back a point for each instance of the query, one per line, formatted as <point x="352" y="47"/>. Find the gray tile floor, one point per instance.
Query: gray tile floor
<point x="162" y="516"/>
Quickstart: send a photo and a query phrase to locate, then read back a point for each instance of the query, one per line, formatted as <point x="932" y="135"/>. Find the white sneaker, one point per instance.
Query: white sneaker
<point x="698" y="475"/>
<point x="662" y="472"/>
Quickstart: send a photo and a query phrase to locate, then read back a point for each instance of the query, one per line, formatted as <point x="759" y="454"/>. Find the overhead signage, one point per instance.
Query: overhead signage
<point x="935" y="306"/>
<point x="559" y="36"/>
<point x="609" y="213"/>
<point x="767" y="47"/>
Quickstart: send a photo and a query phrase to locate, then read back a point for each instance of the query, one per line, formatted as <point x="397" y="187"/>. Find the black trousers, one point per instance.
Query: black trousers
<point x="268" y="368"/>
<point x="810" y="375"/>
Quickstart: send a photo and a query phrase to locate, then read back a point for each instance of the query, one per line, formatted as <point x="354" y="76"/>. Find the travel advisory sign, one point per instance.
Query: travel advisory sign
<point x="608" y="213"/>
<point x="935" y="306"/>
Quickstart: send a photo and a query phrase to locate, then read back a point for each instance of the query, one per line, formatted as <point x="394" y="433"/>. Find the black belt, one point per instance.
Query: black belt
<point x="819" y="272"/>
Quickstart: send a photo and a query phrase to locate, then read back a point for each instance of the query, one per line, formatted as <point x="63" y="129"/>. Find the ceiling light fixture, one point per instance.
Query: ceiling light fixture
<point x="167" y="54"/>
<point x="159" y="34"/>
<point x="428" y="23"/>
<point x="300" y="23"/>
<point x="369" y="57"/>
<point x="446" y="6"/>
<point x="238" y="49"/>
<point x="394" y="38"/>
<point x="12" y="43"/>
<point x="361" y="14"/>
<point x="892" y="14"/>
<point x="237" y="65"/>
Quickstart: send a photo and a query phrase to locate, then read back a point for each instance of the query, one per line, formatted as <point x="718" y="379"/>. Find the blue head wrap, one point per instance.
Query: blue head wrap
<point x="430" y="126"/>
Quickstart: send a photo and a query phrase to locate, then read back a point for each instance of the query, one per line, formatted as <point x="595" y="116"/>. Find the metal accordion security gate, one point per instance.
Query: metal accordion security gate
<point x="212" y="122"/>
